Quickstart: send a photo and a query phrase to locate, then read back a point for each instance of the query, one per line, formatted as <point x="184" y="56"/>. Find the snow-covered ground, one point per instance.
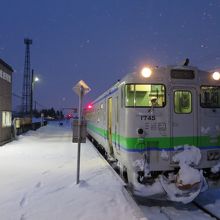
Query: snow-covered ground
<point x="38" y="182"/>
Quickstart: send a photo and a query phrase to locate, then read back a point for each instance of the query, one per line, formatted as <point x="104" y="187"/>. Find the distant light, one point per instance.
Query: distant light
<point x="69" y="116"/>
<point x="146" y="72"/>
<point x="216" y="75"/>
<point x="36" y="79"/>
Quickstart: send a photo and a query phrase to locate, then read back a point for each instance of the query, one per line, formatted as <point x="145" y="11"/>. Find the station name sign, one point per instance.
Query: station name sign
<point x="5" y="76"/>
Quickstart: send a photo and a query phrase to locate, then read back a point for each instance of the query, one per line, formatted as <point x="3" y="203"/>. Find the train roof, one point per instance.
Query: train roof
<point x="135" y="77"/>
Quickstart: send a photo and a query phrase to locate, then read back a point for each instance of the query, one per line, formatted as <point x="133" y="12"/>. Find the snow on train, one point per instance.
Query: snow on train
<point x="162" y="127"/>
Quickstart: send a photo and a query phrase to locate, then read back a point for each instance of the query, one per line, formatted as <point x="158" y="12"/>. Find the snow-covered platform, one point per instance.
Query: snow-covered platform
<point x="38" y="180"/>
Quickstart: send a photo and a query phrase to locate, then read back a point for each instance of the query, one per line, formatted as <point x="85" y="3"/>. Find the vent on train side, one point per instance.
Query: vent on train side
<point x="182" y="74"/>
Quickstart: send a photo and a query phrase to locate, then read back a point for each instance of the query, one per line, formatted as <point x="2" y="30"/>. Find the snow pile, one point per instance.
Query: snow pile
<point x="216" y="168"/>
<point x="141" y="189"/>
<point x="188" y="175"/>
<point x="191" y="155"/>
<point x="141" y="165"/>
<point x="189" y="181"/>
<point x="183" y="187"/>
<point x="164" y="155"/>
<point x="149" y="190"/>
<point x="177" y="195"/>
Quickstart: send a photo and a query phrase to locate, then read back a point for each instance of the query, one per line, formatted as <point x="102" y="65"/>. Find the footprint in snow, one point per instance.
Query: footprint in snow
<point x="38" y="185"/>
<point x="23" y="217"/>
<point x="56" y="190"/>
<point x="23" y="201"/>
<point x="45" y="172"/>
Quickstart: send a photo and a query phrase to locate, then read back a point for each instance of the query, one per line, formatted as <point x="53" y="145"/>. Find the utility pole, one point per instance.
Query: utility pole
<point x="32" y="85"/>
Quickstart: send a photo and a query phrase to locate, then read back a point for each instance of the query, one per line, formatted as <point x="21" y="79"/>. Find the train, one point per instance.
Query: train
<point x="161" y="126"/>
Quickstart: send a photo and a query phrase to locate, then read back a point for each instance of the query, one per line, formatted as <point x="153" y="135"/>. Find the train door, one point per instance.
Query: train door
<point x="117" y="137"/>
<point x="109" y="125"/>
<point x="184" y="117"/>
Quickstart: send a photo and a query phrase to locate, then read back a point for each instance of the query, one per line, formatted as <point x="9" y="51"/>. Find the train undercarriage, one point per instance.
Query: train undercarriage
<point x="181" y="184"/>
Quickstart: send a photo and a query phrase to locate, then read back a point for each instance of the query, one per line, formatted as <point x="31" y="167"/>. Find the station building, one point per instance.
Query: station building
<point x="5" y="102"/>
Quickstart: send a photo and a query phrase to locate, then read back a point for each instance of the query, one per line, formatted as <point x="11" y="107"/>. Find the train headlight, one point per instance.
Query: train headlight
<point x="216" y="75"/>
<point x="146" y="72"/>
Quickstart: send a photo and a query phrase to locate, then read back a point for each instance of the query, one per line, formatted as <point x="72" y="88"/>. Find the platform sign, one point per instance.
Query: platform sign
<point x="81" y="88"/>
<point x="83" y="85"/>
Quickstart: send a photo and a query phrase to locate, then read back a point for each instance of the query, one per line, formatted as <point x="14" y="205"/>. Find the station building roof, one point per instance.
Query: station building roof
<point x="2" y="62"/>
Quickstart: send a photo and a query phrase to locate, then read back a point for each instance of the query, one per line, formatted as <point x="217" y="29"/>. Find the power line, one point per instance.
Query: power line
<point x="35" y="101"/>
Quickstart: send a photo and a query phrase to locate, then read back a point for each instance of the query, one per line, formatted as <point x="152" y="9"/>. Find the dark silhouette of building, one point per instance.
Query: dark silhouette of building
<point x="5" y="102"/>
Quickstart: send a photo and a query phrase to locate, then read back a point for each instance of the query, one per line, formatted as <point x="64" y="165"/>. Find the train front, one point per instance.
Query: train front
<point x="173" y="132"/>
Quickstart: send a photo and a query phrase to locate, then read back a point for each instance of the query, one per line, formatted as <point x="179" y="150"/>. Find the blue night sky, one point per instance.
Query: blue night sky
<point x="100" y="41"/>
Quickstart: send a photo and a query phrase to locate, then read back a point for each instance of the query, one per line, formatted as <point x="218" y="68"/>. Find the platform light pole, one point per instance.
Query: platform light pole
<point x="81" y="88"/>
<point x="34" y="79"/>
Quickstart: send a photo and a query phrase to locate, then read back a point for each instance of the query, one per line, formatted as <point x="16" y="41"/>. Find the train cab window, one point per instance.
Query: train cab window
<point x="210" y="96"/>
<point x="182" y="102"/>
<point x="144" y="95"/>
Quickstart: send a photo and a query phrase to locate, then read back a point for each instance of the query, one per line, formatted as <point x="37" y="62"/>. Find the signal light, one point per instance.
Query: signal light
<point x="89" y="106"/>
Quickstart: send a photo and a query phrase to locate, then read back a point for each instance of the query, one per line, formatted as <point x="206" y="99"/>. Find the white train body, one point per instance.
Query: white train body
<point x="160" y="126"/>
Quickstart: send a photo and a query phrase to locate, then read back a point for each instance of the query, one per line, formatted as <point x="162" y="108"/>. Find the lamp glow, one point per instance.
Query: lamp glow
<point x="216" y="75"/>
<point x="146" y="72"/>
<point x="36" y="79"/>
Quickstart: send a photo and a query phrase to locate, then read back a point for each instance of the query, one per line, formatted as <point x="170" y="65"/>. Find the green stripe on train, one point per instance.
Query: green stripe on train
<point x="160" y="142"/>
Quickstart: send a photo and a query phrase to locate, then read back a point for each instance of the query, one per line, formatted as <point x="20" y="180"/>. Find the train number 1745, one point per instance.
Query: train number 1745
<point x="148" y="117"/>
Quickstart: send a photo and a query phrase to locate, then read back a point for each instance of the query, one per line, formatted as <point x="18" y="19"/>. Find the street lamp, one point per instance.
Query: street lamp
<point x="34" y="79"/>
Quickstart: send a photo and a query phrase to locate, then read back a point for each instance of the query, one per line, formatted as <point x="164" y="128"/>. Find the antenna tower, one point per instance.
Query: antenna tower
<point x="27" y="82"/>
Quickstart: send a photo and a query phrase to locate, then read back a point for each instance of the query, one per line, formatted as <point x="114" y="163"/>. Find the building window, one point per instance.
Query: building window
<point x="6" y="119"/>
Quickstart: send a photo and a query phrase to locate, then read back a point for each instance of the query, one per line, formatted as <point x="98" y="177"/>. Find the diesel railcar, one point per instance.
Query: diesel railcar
<point x="162" y="127"/>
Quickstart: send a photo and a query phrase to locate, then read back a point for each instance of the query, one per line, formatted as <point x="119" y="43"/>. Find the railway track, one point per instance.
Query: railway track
<point x="149" y="209"/>
<point x="215" y="216"/>
<point x="166" y="210"/>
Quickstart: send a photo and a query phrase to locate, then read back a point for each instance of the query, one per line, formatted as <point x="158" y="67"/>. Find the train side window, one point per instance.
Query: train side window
<point x="129" y="94"/>
<point x="182" y="102"/>
<point x="210" y="96"/>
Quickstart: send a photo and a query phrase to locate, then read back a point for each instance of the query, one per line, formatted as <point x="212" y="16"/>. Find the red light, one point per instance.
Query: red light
<point x="68" y="116"/>
<point x="89" y="106"/>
